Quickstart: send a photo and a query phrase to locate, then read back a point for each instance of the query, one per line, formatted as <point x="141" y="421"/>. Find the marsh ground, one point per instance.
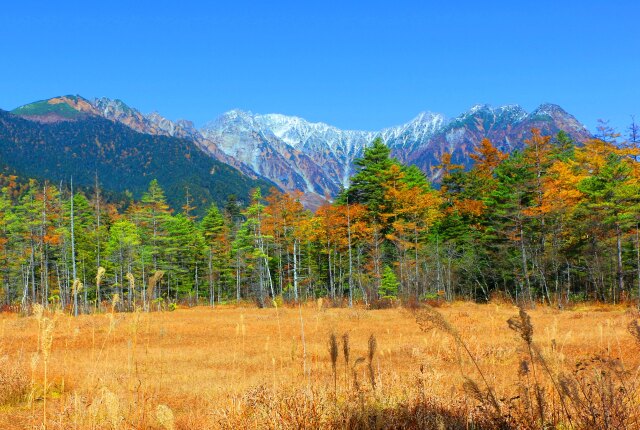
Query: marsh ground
<point x="211" y="368"/>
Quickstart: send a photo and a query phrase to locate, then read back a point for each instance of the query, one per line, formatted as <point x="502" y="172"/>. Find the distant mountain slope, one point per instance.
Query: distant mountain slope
<point x="67" y="108"/>
<point x="124" y="159"/>
<point x="506" y="126"/>
<point x="317" y="158"/>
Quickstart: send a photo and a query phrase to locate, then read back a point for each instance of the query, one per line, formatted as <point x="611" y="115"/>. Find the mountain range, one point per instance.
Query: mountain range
<point x="57" y="143"/>
<point x="316" y="158"/>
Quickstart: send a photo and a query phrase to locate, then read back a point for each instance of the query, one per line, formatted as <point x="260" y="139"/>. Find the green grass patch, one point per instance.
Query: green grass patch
<point x="44" y="108"/>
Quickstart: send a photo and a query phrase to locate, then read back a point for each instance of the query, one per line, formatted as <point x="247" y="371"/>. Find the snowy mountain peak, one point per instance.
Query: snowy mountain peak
<point x="180" y="128"/>
<point x="236" y="115"/>
<point x="427" y="116"/>
<point x="549" y="109"/>
<point x="477" y="108"/>
<point x="513" y="110"/>
<point x="112" y="107"/>
<point x="418" y="129"/>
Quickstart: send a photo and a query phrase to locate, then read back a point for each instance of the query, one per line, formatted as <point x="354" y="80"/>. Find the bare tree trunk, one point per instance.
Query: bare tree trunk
<point x="98" y="242"/>
<point x="350" y="256"/>
<point x="197" y="286"/>
<point x="295" y="269"/>
<point x="73" y="256"/>
<point x="331" y="288"/>
<point x="84" y="281"/>
<point x="364" y="293"/>
<point x="62" y="300"/>
<point x="32" y="271"/>
<point x="280" y="270"/>
<point x="439" y="282"/>
<point x="265" y="258"/>
<point x="620" y="272"/>
<point x="525" y="272"/>
<point x="143" y="290"/>
<point x="417" y="273"/>
<point x="449" y="284"/>
<point x="212" y="295"/>
<point x="25" y="280"/>
<point x="44" y="284"/>
<point x="238" y="278"/>
<point x="638" y="261"/>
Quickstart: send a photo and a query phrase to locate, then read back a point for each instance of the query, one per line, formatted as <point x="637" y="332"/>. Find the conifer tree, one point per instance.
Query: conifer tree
<point x="388" y="284"/>
<point x="215" y="233"/>
<point x="367" y="185"/>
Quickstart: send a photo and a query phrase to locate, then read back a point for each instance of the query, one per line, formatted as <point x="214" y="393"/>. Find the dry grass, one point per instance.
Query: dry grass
<point x="234" y="367"/>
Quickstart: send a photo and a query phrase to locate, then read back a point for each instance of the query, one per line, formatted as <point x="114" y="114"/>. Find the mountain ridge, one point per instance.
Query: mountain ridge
<point x="316" y="157"/>
<point x="124" y="159"/>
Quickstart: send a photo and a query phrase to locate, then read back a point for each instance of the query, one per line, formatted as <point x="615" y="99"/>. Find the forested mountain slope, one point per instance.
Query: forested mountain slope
<point x="124" y="160"/>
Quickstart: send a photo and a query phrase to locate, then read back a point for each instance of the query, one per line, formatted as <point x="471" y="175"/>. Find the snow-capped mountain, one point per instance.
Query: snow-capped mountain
<point x="317" y="158"/>
<point x="320" y="154"/>
<point x="154" y="123"/>
<point x="312" y="157"/>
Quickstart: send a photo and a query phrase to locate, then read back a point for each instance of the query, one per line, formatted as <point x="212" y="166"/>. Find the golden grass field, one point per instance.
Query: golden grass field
<point x="242" y="366"/>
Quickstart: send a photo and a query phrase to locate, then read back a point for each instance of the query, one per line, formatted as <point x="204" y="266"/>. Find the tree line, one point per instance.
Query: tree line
<point x="556" y="221"/>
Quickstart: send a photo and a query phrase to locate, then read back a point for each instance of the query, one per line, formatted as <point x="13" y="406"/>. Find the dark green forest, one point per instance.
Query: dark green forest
<point x="121" y="159"/>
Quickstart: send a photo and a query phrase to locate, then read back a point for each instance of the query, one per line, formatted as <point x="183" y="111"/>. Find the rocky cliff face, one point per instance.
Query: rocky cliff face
<point x="506" y="126"/>
<point x="318" y="158"/>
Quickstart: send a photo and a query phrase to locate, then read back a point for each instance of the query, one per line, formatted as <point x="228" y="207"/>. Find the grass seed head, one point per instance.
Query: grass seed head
<point x="372" y="346"/>
<point x="522" y="325"/>
<point x="132" y="280"/>
<point x="164" y="415"/>
<point x="35" y="359"/>
<point x="112" y="407"/>
<point x="429" y="318"/>
<point x="473" y="390"/>
<point x="38" y="311"/>
<point x="153" y="281"/>
<point x="333" y="350"/>
<point x="100" y="274"/>
<point x="634" y="330"/>
<point x="77" y="286"/>
<point x="47" y="337"/>
<point x="346" y="348"/>
<point x="115" y="300"/>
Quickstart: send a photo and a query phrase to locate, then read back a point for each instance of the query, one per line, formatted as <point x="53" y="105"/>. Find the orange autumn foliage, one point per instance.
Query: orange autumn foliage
<point x="487" y="157"/>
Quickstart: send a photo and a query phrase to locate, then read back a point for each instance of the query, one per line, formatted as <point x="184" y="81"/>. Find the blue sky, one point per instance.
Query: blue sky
<point x="356" y="65"/>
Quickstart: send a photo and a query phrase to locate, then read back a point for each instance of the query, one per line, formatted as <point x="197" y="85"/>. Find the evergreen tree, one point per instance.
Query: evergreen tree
<point x="389" y="284"/>
<point x="121" y="250"/>
<point x="215" y="234"/>
<point x="373" y="171"/>
<point x="184" y="247"/>
<point x="152" y="216"/>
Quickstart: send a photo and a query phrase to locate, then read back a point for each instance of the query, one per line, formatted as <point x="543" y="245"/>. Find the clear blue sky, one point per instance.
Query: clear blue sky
<point x="357" y="65"/>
